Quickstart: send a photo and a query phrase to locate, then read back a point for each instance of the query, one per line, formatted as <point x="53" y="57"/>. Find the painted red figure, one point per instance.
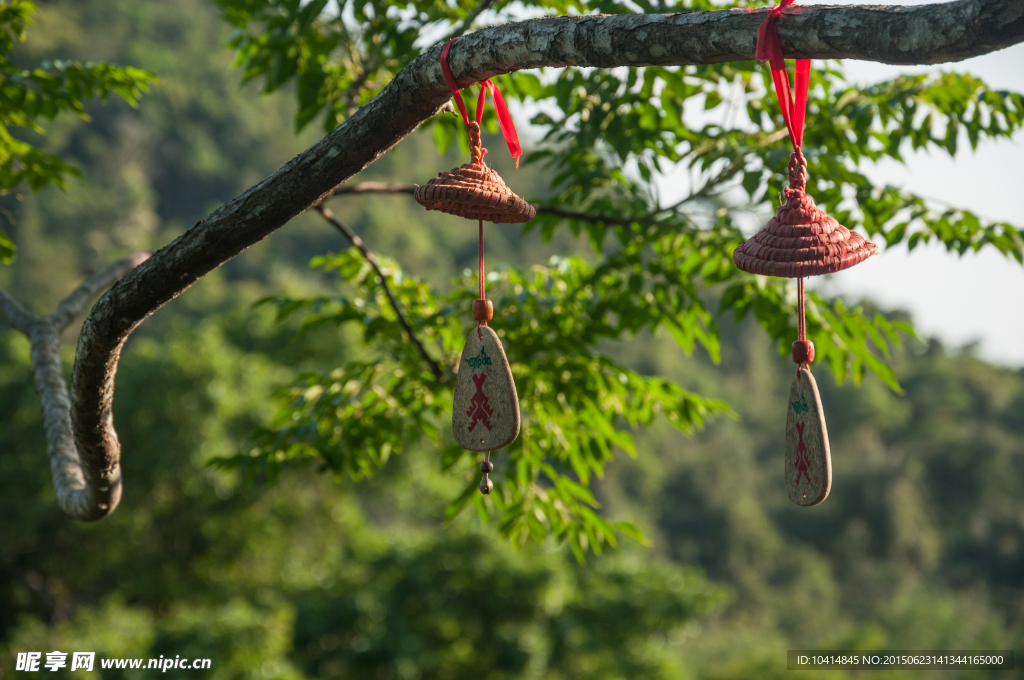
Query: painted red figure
<point x="479" y="408"/>
<point x="802" y="462"/>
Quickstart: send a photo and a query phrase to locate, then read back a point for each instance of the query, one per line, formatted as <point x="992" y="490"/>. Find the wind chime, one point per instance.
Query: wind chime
<point x="800" y="241"/>
<point x="485" y="414"/>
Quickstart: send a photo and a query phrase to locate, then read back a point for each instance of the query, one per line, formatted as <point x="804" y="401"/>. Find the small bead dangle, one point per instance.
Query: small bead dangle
<point x="486" y="485"/>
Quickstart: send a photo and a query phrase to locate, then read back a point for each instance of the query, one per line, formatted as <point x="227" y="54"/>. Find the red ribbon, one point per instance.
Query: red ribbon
<point x="769" y="49"/>
<point x="508" y="128"/>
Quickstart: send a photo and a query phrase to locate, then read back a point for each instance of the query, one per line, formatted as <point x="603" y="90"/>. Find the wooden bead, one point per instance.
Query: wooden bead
<point x="803" y="352"/>
<point x="483" y="310"/>
<point x="486" y="467"/>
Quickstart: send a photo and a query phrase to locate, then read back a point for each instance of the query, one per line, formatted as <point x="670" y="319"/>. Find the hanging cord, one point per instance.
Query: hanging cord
<point x="802" y="328"/>
<point x="508" y="128"/>
<point x="476" y="148"/>
<point x="769" y="49"/>
<point x="801" y="332"/>
<point x="803" y="349"/>
<point x="792" y="101"/>
<point x="482" y="296"/>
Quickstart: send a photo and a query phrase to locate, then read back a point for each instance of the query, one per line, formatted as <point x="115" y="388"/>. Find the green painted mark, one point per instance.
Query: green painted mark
<point x="801" y="405"/>
<point x="479" y="360"/>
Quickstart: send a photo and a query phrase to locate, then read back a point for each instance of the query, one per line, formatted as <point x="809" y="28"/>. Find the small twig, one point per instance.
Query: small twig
<point x="392" y="188"/>
<point x="372" y="260"/>
<point x="72" y="305"/>
<point x="15" y="314"/>
<point x="620" y="220"/>
<point x="465" y="24"/>
<point x="709" y="184"/>
<point x="594" y="217"/>
<point x="370" y="188"/>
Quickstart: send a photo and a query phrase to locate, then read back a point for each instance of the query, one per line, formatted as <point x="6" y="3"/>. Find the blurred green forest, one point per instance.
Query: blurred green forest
<point x="919" y="546"/>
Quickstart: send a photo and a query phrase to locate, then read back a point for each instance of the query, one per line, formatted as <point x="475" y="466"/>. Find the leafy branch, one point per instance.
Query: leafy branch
<point x="44" y="92"/>
<point x="353" y="419"/>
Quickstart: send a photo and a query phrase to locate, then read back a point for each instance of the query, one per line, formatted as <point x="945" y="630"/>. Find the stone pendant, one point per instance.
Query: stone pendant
<point x="485" y="414"/>
<point x="808" y="465"/>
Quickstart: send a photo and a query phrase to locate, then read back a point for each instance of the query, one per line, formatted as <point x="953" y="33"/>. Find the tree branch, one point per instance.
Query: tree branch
<point x="925" y="34"/>
<point x="83" y="491"/>
<point x="391" y="188"/>
<point x="72" y="305"/>
<point x="372" y="260"/>
<point x="370" y="188"/>
<point x="15" y="314"/>
<point x="622" y="220"/>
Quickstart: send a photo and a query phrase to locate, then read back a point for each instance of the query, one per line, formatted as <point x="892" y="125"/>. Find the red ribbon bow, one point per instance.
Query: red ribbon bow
<point x="770" y="49"/>
<point x="508" y="128"/>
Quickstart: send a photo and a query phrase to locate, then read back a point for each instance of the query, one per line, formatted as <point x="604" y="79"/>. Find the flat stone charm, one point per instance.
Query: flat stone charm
<point x="808" y="465"/>
<point x="485" y="415"/>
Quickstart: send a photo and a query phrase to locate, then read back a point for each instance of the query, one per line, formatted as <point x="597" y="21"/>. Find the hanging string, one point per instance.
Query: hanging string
<point x="508" y="128"/>
<point x="769" y="49"/>
<point x="802" y="324"/>
<point x="803" y="351"/>
<point x="482" y="297"/>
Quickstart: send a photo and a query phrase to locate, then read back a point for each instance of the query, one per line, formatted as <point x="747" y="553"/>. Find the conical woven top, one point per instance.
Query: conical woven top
<point x="472" y="188"/>
<point x="801" y="240"/>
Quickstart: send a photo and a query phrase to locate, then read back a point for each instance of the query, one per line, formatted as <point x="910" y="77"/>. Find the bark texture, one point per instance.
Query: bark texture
<point x="896" y="35"/>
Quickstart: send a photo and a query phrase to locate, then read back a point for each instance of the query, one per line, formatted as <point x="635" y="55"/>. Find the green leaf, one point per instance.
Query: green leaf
<point x="444" y="135"/>
<point x="7" y="248"/>
<point x="633" y="532"/>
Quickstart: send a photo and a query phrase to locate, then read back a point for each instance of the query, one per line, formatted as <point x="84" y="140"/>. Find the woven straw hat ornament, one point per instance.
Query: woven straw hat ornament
<point x="485" y="409"/>
<point x="800" y="241"/>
